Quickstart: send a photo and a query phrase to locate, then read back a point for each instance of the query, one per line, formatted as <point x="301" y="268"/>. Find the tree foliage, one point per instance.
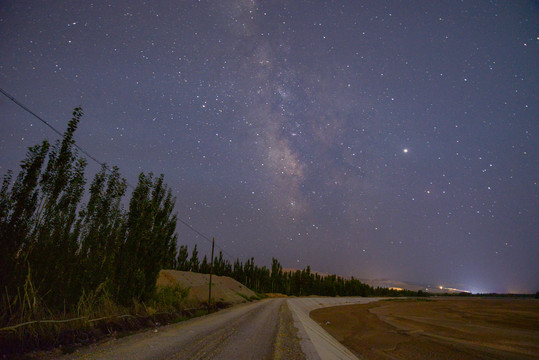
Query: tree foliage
<point x="67" y="248"/>
<point x="182" y="262"/>
<point x="101" y="229"/>
<point x="150" y="239"/>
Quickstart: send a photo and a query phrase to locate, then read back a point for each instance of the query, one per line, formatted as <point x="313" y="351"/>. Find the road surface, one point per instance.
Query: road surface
<point x="268" y="329"/>
<point x="316" y="343"/>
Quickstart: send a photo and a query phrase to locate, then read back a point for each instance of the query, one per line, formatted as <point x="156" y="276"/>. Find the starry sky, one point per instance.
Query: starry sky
<point x="379" y="139"/>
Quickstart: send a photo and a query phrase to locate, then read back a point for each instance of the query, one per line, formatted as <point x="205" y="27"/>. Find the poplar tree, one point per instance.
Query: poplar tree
<point x="17" y="207"/>
<point x="276" y="276"/>
<point x="183" y="259"/>
<point x="38" y="230"/>
<point x="204" y="266"/>
<point x="193" y="262"/>
<point x="52" y="243"/>
<point x="101" y="228"/>
<point x="149" y="238"/>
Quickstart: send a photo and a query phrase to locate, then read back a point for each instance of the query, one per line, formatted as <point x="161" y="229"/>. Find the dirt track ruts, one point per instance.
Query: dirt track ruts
<point x="251" y="331"/>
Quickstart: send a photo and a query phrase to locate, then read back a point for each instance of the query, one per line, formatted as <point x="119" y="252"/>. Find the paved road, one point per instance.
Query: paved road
<point x="262" y="330"/>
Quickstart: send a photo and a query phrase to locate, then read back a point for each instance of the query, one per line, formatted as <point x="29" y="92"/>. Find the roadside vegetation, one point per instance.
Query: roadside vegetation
<point x="62" y="260"/>
<point x="69" y="269"/>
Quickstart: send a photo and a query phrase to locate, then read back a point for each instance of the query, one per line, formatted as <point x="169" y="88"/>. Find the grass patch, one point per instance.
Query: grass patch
<point x="28" y="325"/>
<point x="170" y="298"/>
<point x="256" y="296"/>
<point x="247" y="298"/>
<point x="261" y="296"/>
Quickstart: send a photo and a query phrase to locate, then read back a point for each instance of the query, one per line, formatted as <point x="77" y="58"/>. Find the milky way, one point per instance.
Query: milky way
<point x="374" y="139"/>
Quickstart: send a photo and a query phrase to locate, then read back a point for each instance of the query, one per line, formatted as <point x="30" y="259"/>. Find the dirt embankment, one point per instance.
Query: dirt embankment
<point x="224" y="289"/>
<point x="437" y="329"/>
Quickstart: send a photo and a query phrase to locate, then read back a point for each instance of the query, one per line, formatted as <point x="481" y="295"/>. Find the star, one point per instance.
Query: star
<point x="309" y="115"/>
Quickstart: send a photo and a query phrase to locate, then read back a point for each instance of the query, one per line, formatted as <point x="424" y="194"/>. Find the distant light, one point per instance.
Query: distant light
<point x="405" y="150"/>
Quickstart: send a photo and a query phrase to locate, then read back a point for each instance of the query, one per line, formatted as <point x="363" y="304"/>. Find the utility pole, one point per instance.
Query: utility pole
<point x="211" y="272"/>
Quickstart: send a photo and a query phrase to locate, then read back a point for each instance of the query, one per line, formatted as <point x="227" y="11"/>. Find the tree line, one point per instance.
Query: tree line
<point x="61" y="248"/>
<point x="276" y="280"/>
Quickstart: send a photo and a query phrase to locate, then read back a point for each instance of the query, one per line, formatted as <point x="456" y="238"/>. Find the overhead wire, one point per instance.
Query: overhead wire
<point x="54" y="129"/>
<point x="104" y="165"/>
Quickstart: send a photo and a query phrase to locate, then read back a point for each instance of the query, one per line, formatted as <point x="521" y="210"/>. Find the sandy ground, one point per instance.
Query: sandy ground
<point x="449" y="328"/>
<point x="224" y="289"/>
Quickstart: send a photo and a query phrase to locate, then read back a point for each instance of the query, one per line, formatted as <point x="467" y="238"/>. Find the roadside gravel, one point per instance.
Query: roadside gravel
<point x="315" y="342"/>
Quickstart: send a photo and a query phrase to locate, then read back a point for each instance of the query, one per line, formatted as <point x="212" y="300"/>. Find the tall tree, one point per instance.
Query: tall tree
<point x="204" y="266"/>
<point x="38" y="217"/>
<point x="101" y="228"/>
<point x="149" y="237"/>
<point x="53" y="234"/>
<point x="193" y="262"/>
<point x="17" y="207"/>
<point x="276" y="276"/>
<point x="183" y="259"/>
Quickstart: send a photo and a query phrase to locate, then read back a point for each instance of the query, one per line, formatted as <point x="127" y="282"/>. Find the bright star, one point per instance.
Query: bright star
<point x="405" y="150"/>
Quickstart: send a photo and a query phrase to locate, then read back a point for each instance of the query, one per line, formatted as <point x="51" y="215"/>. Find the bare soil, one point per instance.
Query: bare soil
<point x="443" y="328"/>
<point x="224" y="289"/>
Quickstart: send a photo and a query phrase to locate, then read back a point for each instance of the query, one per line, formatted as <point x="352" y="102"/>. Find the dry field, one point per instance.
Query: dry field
<point x="441" y="328"/>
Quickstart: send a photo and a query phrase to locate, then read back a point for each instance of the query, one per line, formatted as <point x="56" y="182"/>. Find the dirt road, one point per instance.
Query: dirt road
<point x="268" y="329"/>
<point x="243" y="332"/>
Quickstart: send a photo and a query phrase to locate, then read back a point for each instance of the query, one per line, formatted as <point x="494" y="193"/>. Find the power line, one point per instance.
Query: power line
<point x="104" y="165"/>
<point x="205" y="237"/>
<point x="56" y="131"/>
<point x="28" y="110"/>
<point x="194" y="230"/>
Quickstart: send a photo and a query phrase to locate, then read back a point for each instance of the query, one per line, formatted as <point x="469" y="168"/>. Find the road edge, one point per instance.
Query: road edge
<point x="316" y="343"/>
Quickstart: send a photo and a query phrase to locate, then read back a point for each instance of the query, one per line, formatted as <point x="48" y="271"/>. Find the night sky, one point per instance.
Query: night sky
<point x="378" y="139"/>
